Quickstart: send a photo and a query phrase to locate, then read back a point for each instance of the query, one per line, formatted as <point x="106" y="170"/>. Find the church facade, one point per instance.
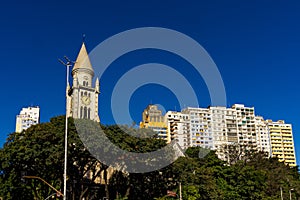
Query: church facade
<point x="84" y="97"/>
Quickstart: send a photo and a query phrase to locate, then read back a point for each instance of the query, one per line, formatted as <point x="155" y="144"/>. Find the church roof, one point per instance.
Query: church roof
<point x="83" y="60"/>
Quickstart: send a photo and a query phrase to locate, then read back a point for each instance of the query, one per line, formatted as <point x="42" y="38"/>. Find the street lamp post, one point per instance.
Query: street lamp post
<point x="180" y="194"/>
<point x="291" y="193"/>
<point x="68" y="64"/>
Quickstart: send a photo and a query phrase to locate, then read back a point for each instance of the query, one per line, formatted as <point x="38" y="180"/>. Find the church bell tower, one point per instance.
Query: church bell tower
<point x="83" y="102"/>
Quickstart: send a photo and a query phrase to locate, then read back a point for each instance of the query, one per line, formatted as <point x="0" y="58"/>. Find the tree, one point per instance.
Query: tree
<point x="38" y="151"/>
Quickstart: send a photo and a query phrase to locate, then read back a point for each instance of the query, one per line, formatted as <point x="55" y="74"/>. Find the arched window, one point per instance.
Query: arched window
<point x="89" y="113"/>
<point x="85" y="113"/>
<point x="81" y="109"/>
<point x="83" y="83"/>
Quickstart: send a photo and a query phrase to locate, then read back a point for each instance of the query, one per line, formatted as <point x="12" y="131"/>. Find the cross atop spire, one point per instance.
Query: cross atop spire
<point x="83" y="37"/>
<point x="83" y="61"/>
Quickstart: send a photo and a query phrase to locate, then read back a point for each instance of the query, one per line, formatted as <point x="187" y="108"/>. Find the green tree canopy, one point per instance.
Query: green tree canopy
<point x="39" y="151"/>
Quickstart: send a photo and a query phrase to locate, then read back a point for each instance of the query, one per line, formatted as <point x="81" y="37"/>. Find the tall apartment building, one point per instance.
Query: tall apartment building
<point x="178" y="128"/>
<point x="282" y="143"/>
<point x="223" y="129"/>
<point x="200" y="130"/>
<point x="152" y="118"/>
<point x="263" y="135"/>
<point x="231" y="117"/>
<point x="245" y="119"/>
<point x="27" y="117"/>
<point x="217" y="127"/>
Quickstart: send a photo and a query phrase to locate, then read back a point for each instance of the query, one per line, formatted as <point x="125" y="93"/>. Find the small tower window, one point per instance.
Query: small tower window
<point x="81" y="110"/>
<point x="89" y="113"/>
<point x="85" y="113"/>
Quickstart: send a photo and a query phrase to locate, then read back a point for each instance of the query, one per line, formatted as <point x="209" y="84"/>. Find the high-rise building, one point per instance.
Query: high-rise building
<point x="220" y="128"/>
<point x="282" y="143"/>
<point x="223" y="129"/>
<point x="200" y="124"/>
<point x="83" y="102"/>
<point x="245" y="119"/>
<point x="178" y="128"/>
<point x="263" y="135"/>
<point x="27" y="117"/>
<point x="153" y="119"/>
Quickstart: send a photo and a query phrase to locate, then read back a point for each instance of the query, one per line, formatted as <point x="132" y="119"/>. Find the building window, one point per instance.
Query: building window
<point x="85" y="113"/>
<point x="81" y="110"/>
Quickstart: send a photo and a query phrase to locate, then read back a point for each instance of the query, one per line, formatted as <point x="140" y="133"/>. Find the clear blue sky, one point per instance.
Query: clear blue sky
<point x="255" y="45"/>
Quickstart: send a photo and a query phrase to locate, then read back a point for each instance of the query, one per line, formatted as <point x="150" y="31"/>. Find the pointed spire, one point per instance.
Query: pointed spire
<point x="97" y="86"/>
<point x="83" y="61"/>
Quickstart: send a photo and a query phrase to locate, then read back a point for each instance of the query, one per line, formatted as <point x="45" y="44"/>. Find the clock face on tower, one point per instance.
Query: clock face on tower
<point x="86" y="100"/>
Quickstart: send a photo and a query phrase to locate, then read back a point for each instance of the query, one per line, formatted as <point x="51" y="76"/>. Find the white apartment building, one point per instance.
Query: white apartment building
<point x="27" y="117"/>
<point x="245" y="119"/>
<point x="200" y="130"/>
<point x="223" y="129"/>
<point x="178" y="128"/>
<point x="216" y="127"/>
<point x="263" y="135"/>
<point x="219" y="126"/>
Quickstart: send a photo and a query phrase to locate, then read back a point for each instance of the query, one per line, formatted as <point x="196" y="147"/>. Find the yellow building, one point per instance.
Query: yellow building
<point x="282" y="143"/>
<point x="153" y="119"/>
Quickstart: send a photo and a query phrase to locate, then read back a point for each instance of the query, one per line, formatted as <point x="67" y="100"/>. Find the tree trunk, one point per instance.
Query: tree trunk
<point x="106" y="185"/>
<point x="83" y="193"/>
